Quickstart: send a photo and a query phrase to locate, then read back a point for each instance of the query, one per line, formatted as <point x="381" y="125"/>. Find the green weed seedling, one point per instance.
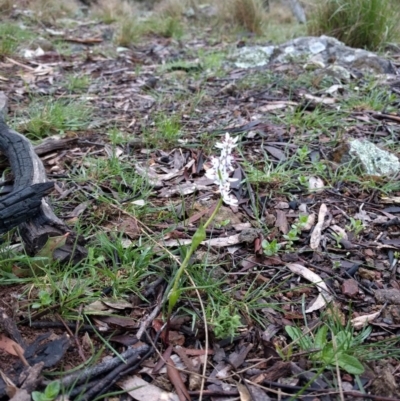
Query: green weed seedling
<point x="355" y="226"/>
<point x="293" y="234"/>
<point x="45" y="299"/>
<point x="303" y="180"/>
<point x="338" y="347"/>
<point x="302" y="153"/>
<point x="50" y="393"/>
<point x="226" y="323"/>
<point x="337" y="237"/>
<point x="270" y="248"/>
<point x="167" y="131"/>
<point x="291" y="237"/>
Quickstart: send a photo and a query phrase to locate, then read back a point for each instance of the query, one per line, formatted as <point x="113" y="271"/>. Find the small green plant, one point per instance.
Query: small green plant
<point x="338" y="347"/>
<point x="302" y="221"/>
<point x="166" y="132"/>
<point x="358" y="23"/>
<point x="222" y="223"/>
<point x="44" y="300"/>
<point x="226" y="323"/>
<point x="355" y="226"/>
<point x="50" y="392"/>
<point x="270" y="248"/>
<point x="337" y="237"/>
<point x="319" y="168"/>
<point x="302" y="153"/>
<point x="293" y="234"/>
<point x="303" y="180"/>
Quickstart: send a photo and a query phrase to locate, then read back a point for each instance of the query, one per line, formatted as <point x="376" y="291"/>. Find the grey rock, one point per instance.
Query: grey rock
<point x="391" y="296"/>
<point x="374" y="161"/>
<point x="324" y="51"/>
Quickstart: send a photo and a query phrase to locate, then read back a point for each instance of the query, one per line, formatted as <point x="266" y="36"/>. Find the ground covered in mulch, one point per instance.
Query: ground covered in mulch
<point x="276" y="307"/>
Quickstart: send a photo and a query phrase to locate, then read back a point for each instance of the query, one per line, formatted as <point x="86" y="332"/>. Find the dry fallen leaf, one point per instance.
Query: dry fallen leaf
<point x="177" y="381"/>
<point x="316" y="184"/>
<point x="244" y="393"/>
<point x="8" y="345"/>
<point x="140" y="390"/>
<point x="316" y="234"/>
<point x="324" y="296"/>
<point x="360" y="321"/>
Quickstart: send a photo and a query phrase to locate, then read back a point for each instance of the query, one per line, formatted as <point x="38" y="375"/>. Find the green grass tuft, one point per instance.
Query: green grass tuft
<point x="55" y="116"/>
<point x="358" y="23"/>
<point x="11" y="36"/>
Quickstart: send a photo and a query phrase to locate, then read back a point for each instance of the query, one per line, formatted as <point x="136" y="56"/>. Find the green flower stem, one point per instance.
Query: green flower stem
<point x="198" y="237"/>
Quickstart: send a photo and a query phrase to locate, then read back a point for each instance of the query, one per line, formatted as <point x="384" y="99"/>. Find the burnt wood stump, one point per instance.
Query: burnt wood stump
<point x="26" y="206"/>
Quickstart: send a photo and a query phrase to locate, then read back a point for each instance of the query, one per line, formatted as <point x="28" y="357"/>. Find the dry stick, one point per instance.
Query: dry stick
<point x="321" y="392"/>
<point x="80" y="350"/>
<point x="148" y="320"/>
<point x="20" y="355"/>
<point x="106" y="382"/>
<point x="86" y="374"/>
<point x="339" y="378"/>
<point x="8" y="325"/>
<point x="41" y="324"/>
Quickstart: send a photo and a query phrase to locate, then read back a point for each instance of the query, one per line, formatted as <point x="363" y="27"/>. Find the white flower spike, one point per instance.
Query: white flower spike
<point x="221" y="168"/>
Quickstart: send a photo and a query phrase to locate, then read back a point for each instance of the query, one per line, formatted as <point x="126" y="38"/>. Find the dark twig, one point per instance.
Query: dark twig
<point x="86" y="374"/>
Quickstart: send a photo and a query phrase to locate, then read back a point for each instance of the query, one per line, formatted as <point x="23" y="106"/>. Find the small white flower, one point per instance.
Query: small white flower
<point x="221" y="168"/>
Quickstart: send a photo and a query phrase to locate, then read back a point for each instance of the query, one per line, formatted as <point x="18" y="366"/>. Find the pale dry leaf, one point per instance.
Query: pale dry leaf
<point x="275" y="152"/>
<point x="176" y="379"/>
<point x="310" y="222"/>
<point x="340" y="231"/>
<point x="217" y="242"/>
<point x="140" y="390"/>
<point x="334" y="88"/>
<point x="281" y="221"/>
<point x="324" y="296"/>
<point x="390" y="199"/>
<point x="244" y="393"/>
<point x="8" y="345"/>
<point x="276" y="105"/>
<point x="317" y="233"/>
<point x="361" y="321"/>
<point x="320" y="100"/>
<point x="316" y="184"/>
<point x="363" y="216"/>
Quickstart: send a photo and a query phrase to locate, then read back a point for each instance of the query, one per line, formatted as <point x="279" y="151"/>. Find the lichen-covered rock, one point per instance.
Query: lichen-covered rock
<point x="367" y="157"/>
<point x="323" y="52"/>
